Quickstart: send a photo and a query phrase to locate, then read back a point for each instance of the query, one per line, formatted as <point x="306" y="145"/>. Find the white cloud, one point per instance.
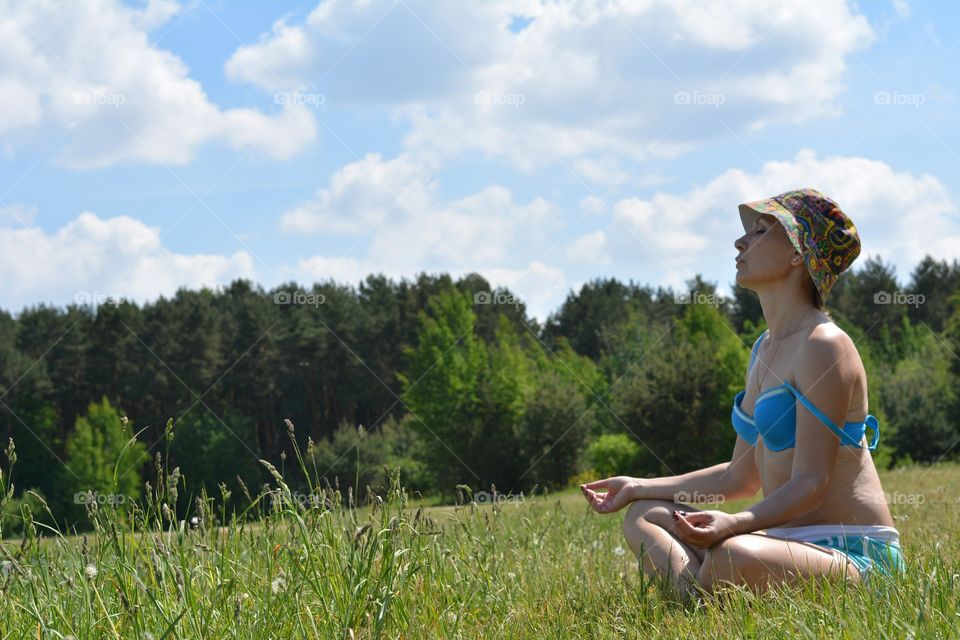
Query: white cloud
<point x="594" y="205"/>
<point x="17" y="214"/>
<point x="902" y="7"/>
<point x="539" y="286"/>
<point x="395" y="208"/>
<point x="397" y="203"/>
<point x="91" y="258"/>
<point x="86" y="71"/>
<point x="362" y="194"/>
<point x="589" y="248"/>
<point x="900" y="216"/>
<point x="582" y="79"/>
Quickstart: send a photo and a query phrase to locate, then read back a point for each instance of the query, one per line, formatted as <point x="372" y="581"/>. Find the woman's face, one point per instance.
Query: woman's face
<point x="765" y="253"/>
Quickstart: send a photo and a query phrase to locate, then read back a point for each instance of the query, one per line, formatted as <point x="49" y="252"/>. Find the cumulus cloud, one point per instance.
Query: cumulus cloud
<point x="394" y="207"/>
<point x="589" y="248"/>
<point x="604" y="78"/>
<point x="91" y="258"/>
<point x="84" y="77"/>
<point x="900" y="216"/>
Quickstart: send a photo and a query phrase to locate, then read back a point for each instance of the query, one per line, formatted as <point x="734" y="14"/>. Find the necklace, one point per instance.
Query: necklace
<point x="779" y="343"/>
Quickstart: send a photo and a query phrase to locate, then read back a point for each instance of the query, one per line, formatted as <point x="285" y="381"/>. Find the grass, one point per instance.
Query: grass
<point x="543" y="567"/>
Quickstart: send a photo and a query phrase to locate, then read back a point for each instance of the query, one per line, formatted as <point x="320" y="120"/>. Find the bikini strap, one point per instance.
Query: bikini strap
<point x="753" y="352"/>
<point x="843" y="435"/>
<point x="873" y="423"/>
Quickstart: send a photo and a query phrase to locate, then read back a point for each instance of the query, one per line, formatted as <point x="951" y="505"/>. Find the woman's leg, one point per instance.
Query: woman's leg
<point x="651" y="534"/>
<point x="757" y="561"/>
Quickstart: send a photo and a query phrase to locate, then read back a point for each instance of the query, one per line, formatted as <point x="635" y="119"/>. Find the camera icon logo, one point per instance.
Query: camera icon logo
<point x="282" y="297"/>
<point x="482" y="297"/>
<point x="483" y="497"/>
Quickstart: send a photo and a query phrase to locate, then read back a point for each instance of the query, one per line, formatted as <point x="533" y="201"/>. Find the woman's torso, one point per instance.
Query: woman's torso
<point x="854" y="494"/>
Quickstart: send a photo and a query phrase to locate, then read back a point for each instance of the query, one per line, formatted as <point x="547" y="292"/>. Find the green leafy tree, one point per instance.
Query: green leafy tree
<point x="99" y="452"/>
<point x="613" y="454"/>
<point x="212" y="449"/>
<point x="441" y="387"/>
<point x="677" y="401"/>
<point x="919" y="402"/>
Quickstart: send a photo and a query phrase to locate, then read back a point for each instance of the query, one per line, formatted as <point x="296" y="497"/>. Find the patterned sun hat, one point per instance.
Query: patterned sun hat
<point x="820" y="232"/>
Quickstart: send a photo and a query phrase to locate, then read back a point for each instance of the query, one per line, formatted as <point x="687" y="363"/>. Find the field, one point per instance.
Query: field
<point x="541" y="566"/>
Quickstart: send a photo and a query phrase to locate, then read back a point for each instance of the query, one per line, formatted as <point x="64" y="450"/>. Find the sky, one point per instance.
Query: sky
<point x="148" y="146"/>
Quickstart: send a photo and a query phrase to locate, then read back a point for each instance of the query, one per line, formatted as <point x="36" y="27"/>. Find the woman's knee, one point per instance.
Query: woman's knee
<point x="638" y="514"/>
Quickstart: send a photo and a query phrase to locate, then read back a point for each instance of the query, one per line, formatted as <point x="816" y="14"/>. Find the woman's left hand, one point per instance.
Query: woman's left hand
<point x="704" y="528"/>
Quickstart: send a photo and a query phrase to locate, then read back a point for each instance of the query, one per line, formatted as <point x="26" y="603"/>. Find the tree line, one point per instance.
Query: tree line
<point x="451" y="381"/>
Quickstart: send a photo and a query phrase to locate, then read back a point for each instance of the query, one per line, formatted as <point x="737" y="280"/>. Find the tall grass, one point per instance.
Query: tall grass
<point x="540" y="566"/>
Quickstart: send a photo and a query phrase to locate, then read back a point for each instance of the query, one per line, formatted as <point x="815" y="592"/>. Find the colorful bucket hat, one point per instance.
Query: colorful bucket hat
<point x="819" y="231"/>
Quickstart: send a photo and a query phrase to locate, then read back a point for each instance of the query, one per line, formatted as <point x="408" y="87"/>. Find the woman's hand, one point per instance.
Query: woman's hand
<point x="704" y="528"/>
<point x="620" y="493"/>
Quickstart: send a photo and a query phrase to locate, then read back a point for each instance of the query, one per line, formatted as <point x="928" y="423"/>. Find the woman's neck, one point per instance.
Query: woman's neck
<point x="786" y="316"/>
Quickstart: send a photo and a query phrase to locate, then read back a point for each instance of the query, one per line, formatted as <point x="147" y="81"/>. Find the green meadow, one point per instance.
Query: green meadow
<point x="533" y="566"/>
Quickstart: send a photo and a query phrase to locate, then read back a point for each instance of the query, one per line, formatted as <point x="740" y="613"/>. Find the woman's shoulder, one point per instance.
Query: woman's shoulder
<point x="830" y="347"/>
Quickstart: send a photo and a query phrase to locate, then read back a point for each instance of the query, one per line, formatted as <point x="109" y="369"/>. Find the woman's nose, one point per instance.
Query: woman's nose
<point x="740" y="244"/>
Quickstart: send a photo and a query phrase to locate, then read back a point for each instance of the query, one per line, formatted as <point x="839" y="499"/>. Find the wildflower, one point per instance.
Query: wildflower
<point x="279" y="583"/>
<point x="618" y="550"/>
<point x="512" y="575"/>
<point x="596" y="544"/>
<point x="90" y="572"/>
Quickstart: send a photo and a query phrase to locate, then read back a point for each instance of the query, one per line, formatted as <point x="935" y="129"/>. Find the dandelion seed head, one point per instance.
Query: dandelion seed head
<point x="279" y="584"/>
<point x="90" y="572"/>
<point x="618" y="550"/>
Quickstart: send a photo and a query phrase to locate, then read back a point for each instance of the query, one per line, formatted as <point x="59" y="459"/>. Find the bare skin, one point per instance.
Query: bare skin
<point x="699" y="551"/>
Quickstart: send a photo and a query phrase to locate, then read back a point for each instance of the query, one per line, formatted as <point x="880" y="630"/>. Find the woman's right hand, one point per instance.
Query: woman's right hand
<point x="620" y="493"/>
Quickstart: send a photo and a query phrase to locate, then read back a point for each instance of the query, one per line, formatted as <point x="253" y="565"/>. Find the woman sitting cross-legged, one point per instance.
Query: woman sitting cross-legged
<point x="802" y="438"/>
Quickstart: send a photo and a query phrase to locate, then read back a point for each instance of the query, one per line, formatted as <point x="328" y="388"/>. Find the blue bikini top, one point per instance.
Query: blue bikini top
<point x="775" y="417"/>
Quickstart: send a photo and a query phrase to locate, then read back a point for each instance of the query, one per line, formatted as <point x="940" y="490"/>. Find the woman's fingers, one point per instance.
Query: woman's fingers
<point x="596" y="484"/>
<point x="683" y="526"/>
<point x="688" y="532"/>
<point x="698" y="518"/>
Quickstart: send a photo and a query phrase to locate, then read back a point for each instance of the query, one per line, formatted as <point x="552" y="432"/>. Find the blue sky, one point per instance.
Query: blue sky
<point x="147" y="146"/>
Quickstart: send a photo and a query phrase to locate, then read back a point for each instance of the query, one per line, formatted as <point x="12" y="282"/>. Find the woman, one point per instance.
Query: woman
<point x="801" y="423"/>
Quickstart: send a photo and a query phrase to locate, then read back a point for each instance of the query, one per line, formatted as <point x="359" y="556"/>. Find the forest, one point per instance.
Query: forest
<point x="448" y="381"/>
